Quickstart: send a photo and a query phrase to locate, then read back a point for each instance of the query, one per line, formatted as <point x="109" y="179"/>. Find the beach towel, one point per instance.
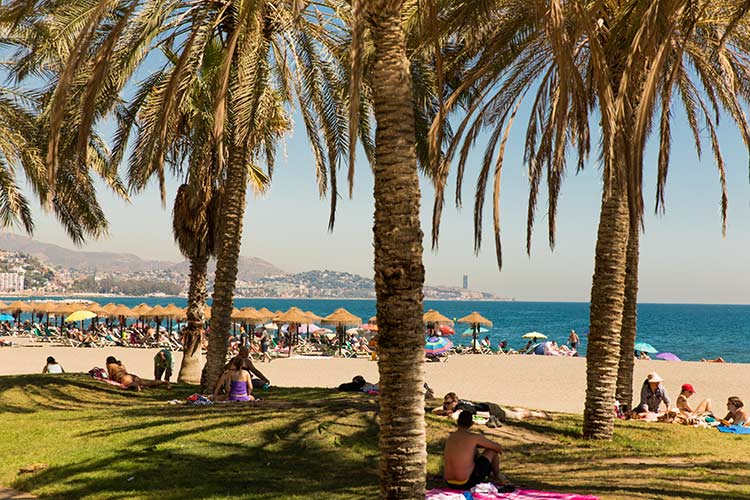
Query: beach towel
<point x="734" y="429"/>
<point x="198" y="400"/>
<point x="488" y="491"/>
<point x="101" y="375"/>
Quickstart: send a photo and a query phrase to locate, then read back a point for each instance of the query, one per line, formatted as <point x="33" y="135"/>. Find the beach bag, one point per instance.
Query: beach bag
<point x="198" y="400"/>
<point x="97" y="372"/>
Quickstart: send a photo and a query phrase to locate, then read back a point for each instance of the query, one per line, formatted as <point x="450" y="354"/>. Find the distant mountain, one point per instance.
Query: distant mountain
<point x="249" y="267"/>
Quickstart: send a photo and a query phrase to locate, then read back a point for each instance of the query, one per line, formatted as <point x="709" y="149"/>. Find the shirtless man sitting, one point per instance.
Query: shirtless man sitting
<point x="465" y="466"/>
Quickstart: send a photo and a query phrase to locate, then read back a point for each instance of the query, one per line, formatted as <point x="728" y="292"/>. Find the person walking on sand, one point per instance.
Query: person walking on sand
<point x="465" y="465"/>
<point x="573" y="340"/>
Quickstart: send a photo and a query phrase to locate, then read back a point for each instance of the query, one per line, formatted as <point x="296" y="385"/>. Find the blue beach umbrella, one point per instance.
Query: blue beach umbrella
<point x="437" y="345"/>
<point x="6" y="317"/>
<point x="470" y="331"/>
<point x="645" y="347"/>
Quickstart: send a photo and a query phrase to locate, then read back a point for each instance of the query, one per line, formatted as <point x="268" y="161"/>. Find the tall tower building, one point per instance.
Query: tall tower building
<point x="466" y="281"/>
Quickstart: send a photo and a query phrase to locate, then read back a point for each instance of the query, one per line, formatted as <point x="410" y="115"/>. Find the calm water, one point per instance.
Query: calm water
<point x="690" y="331"/>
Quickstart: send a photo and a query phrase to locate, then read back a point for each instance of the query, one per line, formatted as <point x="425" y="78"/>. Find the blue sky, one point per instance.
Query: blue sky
<point x="683" y="255"/>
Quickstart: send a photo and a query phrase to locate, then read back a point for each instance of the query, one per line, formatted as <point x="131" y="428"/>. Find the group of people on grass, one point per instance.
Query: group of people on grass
<point x="654" y="394"/>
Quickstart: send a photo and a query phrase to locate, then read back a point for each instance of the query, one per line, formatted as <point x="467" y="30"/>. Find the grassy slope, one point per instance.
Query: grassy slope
<point x="100" y="442"/>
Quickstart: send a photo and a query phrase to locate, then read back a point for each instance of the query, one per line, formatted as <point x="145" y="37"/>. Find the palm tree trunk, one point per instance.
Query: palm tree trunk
<point x="399" y="273"/>
<point x="607" y="297"/>
<point x="227" y="256"/>
<point x="192" y="358"/>
<point x="624" y="392"/>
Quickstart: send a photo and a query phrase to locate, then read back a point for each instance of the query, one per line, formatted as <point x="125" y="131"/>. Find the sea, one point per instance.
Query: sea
<point x="690" y="331"/>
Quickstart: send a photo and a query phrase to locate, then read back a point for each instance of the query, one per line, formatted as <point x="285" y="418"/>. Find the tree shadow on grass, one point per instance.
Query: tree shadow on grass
<point x="287" y="457"/>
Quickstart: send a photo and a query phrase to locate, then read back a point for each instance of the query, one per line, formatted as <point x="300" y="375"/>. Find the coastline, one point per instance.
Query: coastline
<point x="549" y="383"/>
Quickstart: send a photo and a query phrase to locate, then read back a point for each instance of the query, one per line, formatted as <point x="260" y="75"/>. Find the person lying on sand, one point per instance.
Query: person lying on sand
<point x="715" y="360"/>
<point x="738" y="414"/>
<point x="116" y="371"/>
<point x="464" y="464"/>
<point x="453" y="406"/>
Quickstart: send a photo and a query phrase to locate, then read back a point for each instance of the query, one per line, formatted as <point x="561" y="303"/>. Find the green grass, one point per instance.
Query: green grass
<point x="102" y="443"/>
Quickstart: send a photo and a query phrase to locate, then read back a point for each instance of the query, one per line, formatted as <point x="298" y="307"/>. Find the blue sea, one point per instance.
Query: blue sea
<point x="691" y="331"/>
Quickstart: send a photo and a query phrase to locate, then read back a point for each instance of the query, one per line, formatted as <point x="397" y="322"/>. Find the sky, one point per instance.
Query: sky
<point x="684" y="257"/>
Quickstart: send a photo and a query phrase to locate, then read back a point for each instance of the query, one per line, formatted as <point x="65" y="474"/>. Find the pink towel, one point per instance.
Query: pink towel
<point x="482" y="492"/>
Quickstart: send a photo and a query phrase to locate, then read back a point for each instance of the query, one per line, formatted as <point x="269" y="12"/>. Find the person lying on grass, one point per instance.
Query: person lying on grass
<point x="738" y="414"/>
<point x="465" y="465"/>
<point x="453" y="406"/>
<point x="116" y="371"/>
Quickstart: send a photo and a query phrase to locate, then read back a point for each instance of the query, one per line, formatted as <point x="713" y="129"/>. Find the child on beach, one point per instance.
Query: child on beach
<point x="685" y="413"/>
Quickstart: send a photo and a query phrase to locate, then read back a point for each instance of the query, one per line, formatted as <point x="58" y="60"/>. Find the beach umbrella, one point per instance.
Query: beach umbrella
<point x="6" y="317"/>
<point x="470" y="331"/>
<point x="476" y="320"/>
<point x="373" y="320"/>
<point x="295" y="316"/>
<point x="341" y="318"/>
<point x="437" y="345"/>
<point x="3" y="306"/>
<point x="645" y="347"/>
<point x="266" y="312"/>
<point x="533" y="335"/>
<point x="667" y="356"/>
<point x="446" y="330"/>
<point x="433" y="316"/>
<point x="80" y="315"/>
<point x="313" y="317"/>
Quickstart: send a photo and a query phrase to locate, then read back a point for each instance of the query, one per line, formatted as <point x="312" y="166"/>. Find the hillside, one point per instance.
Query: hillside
<point x="249" y="267"/>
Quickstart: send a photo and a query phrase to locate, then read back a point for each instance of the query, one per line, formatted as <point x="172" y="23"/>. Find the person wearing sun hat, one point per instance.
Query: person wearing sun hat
<point x="653" y="394"/>
<point x="702" y="410"/>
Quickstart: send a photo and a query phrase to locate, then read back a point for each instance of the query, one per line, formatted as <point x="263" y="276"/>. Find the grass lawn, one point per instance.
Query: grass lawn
<point x="102" y="443"/>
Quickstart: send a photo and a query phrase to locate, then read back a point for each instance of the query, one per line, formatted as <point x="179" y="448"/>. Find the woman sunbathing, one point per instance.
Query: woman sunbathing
<point x="738" y="414"/>
<point x="116" y="371"/>
<point x="685" y="413"/>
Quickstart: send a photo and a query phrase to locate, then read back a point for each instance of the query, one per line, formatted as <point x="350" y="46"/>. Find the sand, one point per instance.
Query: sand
<point x="544" y="382"/>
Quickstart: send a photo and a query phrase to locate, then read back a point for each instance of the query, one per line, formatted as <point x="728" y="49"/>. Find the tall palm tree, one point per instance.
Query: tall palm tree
<point x="191" y="156"/>
<point x="273" y="51"/>
<point x="399" y="273"/>
<point x="630" y="61"/>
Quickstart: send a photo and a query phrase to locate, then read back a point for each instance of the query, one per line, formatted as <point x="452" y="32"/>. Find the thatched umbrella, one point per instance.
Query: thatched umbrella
<point x="157" y="313"/>
<point x="373" y="320"/>
<point x="475" y="319"/>
<point x="173" y="312"/>
<point x="432" y="318"/>
<point x="18" y="307"/>
<point x="295" y="316"/>
<point x="341" y="318"/>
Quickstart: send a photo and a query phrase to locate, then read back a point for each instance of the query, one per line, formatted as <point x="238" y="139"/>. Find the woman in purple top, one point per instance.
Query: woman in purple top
<point x="238" y="382"/>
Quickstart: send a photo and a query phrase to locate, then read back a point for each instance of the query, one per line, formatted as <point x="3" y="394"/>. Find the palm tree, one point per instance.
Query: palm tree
<point x="273" y="51"/>
<point x="629" y="61"/>
<point x="69" y="192"/>
<point x="399" y="273"/>
<point x="191" y="156"/>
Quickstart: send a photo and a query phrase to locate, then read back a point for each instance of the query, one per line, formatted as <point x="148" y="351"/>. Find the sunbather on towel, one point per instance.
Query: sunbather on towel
<point x="738" y="414"/>
<point x="453" y="406"/>
<point x="685" y="413"/>
<point x="116" y="371"/>
<point x="465" y="465"/>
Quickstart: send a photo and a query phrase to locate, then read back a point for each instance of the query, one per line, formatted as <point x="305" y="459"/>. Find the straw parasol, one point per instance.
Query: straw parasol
<point x="122" y="310"/>
<point x="475" y="319"/>
<point x="141" y="309"/>
<point x="19" y="306"/>
<point x="373" y="320"/>
<point x="341" y="318"/>
<point x="97" y="309"/>
<point x="3" y="306"/>
<point x="432" y="316"/>
<point x="295" y="316"/>
<point x="313" y="317"/>
<point x="266" y="312"/>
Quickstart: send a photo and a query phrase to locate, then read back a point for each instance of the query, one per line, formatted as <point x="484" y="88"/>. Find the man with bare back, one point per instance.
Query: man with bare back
<point x="465" y="465"/>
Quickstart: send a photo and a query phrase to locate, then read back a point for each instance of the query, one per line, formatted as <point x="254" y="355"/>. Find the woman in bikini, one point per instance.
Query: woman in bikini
<point x="685" y="413"/>
<point x="116" y="371"/>
<point x="738" y="414"/>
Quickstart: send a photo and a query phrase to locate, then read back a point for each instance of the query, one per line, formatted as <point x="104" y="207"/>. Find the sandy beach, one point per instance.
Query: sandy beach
<point x="544" y="382"/>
